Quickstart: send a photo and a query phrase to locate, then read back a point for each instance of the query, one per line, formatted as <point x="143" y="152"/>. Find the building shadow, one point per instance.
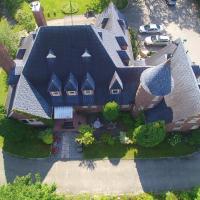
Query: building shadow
<point x="15" y="166"/>
<point x="157" y="175"/>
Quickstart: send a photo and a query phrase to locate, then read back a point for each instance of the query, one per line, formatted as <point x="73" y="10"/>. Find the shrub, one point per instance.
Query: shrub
<point x="85" y="128"/>
<point x="194" y="138"/>
<point x="175" y="139"/>
<point x="25" y="18"/>
<point x="170" y="196"/>
<point x="46" y="136"/>
<point x="139" y="120"/>
<point x="70" y="8"/>
<point x="134" y="42"/>
<point x="126" y="119"/>
<point x="86" y="136"/>
<point x="106" y="138"/>
<point x="124" y="139"/>
<point x="9" y="37"/>
<point x="150" y="135"/>
<point x="111" y="111"/>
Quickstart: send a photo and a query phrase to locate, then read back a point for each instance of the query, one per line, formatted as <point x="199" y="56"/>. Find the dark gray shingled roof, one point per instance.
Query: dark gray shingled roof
<point x="116" y="82"/>
<point x="54" y="84"/>
<point x="28" y="100"/>
<point x="158" y="80"/>
<point x="71" y="84"/>
<point x="68" y="44"/>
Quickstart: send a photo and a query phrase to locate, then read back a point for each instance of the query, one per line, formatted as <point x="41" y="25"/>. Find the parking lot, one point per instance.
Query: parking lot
<point x="182" y="21"/>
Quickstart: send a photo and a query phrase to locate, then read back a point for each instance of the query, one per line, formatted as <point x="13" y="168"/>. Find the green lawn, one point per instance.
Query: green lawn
<point x="16" y="137"/>
<point x="52" y="8"/>
<point x="118" y="150"/>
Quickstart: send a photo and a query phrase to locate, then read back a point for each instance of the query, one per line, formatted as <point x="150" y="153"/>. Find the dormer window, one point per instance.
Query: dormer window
<point x="55" y="93"/>
<point x="88" y="85"/>
<point x="115" y="91"/>
<point x="116" y="85"/>
<point x="71" y="86"/>
<point x="88" y="92"/>
<point x="55" y="86"/>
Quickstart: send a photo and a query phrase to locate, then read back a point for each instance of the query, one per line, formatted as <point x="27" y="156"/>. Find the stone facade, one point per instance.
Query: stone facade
<point x="184" y="124"/>
<point x="5" y="60"/>
<point x="144" y="100"/>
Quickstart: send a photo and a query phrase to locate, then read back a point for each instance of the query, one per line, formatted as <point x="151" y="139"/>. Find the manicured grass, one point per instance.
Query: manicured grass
<point x="11" y="131"/>
<point x="52" y="8"/>
<point x="118" y="150"/>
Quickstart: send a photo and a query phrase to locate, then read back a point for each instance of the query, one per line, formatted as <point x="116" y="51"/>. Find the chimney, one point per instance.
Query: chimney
<point x="38" y="13"/>
<point x="5" y="60"/>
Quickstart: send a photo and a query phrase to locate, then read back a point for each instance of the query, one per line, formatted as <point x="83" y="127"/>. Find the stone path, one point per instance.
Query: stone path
<point x="69" y="148"/>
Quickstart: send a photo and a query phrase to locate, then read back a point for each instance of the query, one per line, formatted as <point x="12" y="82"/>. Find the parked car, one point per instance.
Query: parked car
<point x="151" y="28"/>
<point x="157" y="40"/>
<point x="171" y="2"/>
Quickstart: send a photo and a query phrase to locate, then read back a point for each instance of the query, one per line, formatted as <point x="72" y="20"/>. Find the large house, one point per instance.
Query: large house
<point x="62" y="70"/>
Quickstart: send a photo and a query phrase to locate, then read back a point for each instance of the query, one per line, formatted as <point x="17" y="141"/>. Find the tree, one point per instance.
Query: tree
<point x="150" y="135"/>
<point x="86" y="136"/>
<point x="25" y="18"/>
<point x="111" y="111"/>
<point x="26" y="188"/>
<point x="9" y="37"/>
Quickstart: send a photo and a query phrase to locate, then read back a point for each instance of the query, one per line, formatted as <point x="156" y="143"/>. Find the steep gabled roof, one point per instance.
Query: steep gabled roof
<point x="88" y="83"/>
<point x="71" y="84"/>
<point x="54" y="84"/>
<point x="116" y="82"/>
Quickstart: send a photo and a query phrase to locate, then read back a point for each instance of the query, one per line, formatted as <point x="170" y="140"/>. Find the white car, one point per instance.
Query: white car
<point x="151" y="28"/>
<point x="157" y="40"/>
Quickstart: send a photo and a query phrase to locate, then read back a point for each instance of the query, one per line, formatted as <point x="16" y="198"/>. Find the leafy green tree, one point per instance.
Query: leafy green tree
<point x="9" y="37"/>
<point x="111" y="111"/>
<point x="25" y="18"/>
<point x="134" y="42"/>
<point x="46" y="136"/>
<point x="25" y="188"/>
<point x="86" y="136"/>
<point x="150" y="135"/>
<point x="12" y="6"/>
<point x="170" y="196"/>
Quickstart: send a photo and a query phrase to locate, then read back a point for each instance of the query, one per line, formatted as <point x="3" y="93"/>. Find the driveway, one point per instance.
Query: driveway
<point x="108" y="176"/>
<point x="181" y="21"/>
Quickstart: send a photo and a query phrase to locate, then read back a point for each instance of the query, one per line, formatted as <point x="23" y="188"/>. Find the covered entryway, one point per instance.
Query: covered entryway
<point x="63" y="116"/>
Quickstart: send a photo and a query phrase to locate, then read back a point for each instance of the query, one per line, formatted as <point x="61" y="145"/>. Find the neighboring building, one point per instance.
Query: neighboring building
<point x="68" y="69"/>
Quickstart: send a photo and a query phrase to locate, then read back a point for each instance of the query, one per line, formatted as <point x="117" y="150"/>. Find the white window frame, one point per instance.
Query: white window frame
<point x="85" y="106"/>
<point x="88" y="92"/>
<point x="115" y="91"/>
<point x="93" y="106"/>
<point x="194" y="120"/>
<point x="194" y="127"/>
<point x="55" y="93"/>
<point x="125" y="106"/>
<point x="71" y="93"/>
<point x="177" y="128"/>
<point x="156" y="99"/>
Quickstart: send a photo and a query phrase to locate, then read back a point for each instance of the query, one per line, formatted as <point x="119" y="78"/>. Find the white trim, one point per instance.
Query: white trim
<point x="85" y="106"/>
<point x="125" y="106"/>
<point x="88" y="92"/>
<point x="55" y="93"/>
<point x="115" y="91"/>
<point x="71" y="93"/>
<point x="177" y="128"/>
<point x="194" y="127"/>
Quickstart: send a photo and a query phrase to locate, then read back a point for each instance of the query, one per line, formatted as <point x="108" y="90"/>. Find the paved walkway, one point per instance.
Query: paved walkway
<point x="125" y="176"/>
